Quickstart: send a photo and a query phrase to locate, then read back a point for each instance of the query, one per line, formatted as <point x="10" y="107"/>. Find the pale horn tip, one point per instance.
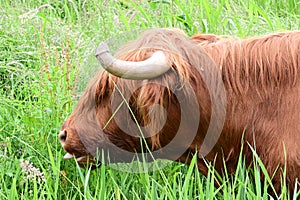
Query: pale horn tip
<point x="102" y="48"/>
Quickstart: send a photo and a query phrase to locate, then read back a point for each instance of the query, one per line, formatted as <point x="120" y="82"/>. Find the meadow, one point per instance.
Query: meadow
<point x="46" y="60"/>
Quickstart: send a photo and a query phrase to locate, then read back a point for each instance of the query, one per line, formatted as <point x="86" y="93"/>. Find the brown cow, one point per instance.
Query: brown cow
<point x="239" y="92"/>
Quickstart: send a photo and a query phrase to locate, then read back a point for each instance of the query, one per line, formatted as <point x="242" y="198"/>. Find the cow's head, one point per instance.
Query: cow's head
<point x="163" y="67"/>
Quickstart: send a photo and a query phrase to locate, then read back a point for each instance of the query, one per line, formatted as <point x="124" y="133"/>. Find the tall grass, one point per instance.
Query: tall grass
<point x="46" y="50"/>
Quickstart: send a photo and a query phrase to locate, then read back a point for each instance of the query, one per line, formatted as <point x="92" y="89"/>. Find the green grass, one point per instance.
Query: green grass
<point x="46" y="58"/>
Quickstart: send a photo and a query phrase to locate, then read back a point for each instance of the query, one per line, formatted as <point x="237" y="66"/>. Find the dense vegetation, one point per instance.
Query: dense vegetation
<point x="46" y="59"/>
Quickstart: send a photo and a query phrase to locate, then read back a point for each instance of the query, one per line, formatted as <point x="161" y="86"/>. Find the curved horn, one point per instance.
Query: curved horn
<point x="152" y="67"/>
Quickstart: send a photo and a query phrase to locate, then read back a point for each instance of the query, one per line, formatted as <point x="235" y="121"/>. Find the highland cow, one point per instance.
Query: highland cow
<point x="244" y="94"/>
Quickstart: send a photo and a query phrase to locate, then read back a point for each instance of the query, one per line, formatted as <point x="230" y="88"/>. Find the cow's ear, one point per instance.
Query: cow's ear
<point x="104" y="86"/>
<point x="205" y="38"/>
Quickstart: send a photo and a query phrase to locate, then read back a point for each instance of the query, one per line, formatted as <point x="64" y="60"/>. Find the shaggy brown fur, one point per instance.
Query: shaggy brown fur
<point x="262" y="80"/>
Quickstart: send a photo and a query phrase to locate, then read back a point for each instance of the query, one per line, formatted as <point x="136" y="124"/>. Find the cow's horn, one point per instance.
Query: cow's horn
<point x="152" y="67"/>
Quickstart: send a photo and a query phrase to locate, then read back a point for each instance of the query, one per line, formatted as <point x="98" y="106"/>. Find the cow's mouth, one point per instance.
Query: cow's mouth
<point x="83" y="161"/>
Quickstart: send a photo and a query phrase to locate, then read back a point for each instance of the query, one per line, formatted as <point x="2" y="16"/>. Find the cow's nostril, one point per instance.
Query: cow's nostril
<point x="62" y="136"/>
